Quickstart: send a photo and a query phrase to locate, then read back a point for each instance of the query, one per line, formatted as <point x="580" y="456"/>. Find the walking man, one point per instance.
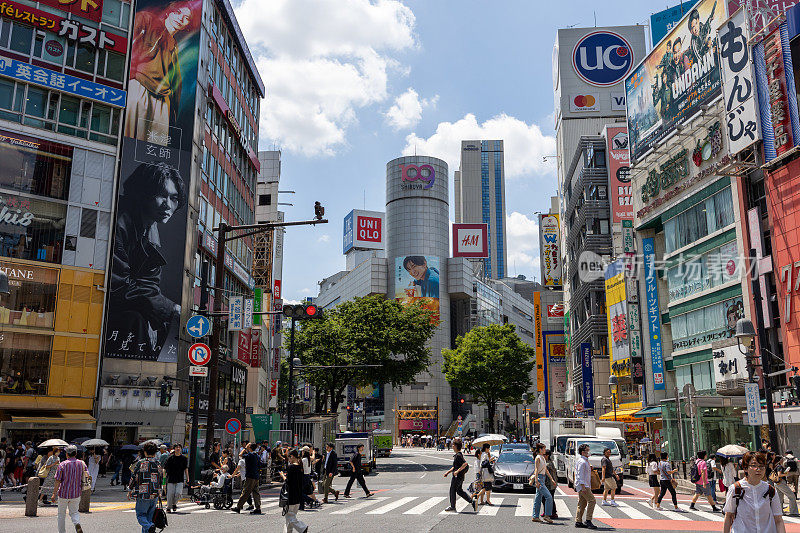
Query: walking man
<point x="145" y="484"/>
<point x="609" y="478"/>
<point x="355" y="464"/>
<point x="701" y="481"/>
<point x="458" y="470"/>
<point x="177" y="470"/>
<point x="252" y="466"/>
<point x="583" y="485"/>
<point x="331" y="468"/>
<point x="69" y="482"/>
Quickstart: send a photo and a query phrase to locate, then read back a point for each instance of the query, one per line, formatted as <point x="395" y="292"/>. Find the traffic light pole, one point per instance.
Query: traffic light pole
<point x="290" y="399"/>
<point x="219" y="280"/>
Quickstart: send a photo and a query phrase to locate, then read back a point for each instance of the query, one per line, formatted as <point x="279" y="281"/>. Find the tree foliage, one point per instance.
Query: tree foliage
<point x="491" y="364"/>
<point x="364" y="331"/>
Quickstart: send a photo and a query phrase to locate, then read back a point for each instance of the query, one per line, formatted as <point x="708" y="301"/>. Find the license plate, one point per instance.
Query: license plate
<point x="517" y="486"/>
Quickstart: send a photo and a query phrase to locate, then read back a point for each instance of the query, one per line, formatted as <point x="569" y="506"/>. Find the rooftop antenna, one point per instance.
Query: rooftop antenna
<point x="365" y="199"/>
<point x="595" y="18"/>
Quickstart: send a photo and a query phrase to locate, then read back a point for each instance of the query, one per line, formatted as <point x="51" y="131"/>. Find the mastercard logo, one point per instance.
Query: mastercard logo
<point x="584" y="100"/>
<point x="622" y="51"/>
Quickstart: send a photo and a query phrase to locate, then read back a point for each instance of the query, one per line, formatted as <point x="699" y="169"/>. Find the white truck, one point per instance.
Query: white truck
<point x="346" y="444"/>
<point x="596" y="447"/>
<point x="615" y="434"/>
<point x="554" y="433"/>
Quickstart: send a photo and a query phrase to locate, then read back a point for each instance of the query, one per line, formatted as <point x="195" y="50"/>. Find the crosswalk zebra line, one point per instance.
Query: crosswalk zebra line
<point x="525" y="507"/>
<point x="426" y="505"/>
<point x="562" y="509"/>
<point x="460" y="506"/>
<point x="713" y="517"/>
<point x="599" y="512"/>
<point x="488" y="510"/>
<point x="791" y="519"/>
<point x="393" y="505"/>
<point x="631" y="512"/>
<point x="357" y="507"/>
<point x="672" y="515"/>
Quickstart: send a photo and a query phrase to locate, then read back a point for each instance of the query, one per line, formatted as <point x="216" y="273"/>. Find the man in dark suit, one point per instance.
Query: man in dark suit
<point x="331" y="468"/>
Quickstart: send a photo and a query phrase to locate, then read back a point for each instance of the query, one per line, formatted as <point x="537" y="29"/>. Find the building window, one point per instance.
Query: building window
<point x="264" y="199"/>
<point x="24" y="363"/>
<point x="33" y="166"/>
<point x="712" y="214"/>
<point x="88" y="223"/>
<point x="32" y="296"/>
<point x="705" y="325"/>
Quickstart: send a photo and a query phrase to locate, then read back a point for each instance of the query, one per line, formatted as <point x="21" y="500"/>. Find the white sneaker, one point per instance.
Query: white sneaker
<point x="614" y="503"/>
<point x="605" y="503"/>
<point x="678" y="509"/>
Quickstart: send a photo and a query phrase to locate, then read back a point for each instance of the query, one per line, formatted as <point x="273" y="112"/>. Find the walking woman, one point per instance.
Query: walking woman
<point x="652" y="477"/>
<point x="728" y="473"/>
<point x="539" y="473"/>
<point x="47" y="473"/>
<point x="308" y="483"/>
<point x="666" y="479"/>
<point x="751" y="504"/>
<point x="487" y="472"/>
<point x="479" y="492"/>
<point x="294" y="492"/>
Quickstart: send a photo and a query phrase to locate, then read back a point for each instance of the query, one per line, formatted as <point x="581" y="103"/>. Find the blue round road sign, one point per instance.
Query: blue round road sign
<point x="602" y="58"/>
<point x="198" y="326"/>
<point x="233" y="426"/>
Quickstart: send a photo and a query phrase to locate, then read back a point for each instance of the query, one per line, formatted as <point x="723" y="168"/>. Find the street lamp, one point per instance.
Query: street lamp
<point x="612" y="382"/>
<point x="745" y="338"/>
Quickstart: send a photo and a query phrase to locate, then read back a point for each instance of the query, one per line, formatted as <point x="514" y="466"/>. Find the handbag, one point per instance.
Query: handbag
<point x="283" y="497"/>
<point x="595" y="480"/>
<point x="159" y="517"/>
<point x="674" y="484"/>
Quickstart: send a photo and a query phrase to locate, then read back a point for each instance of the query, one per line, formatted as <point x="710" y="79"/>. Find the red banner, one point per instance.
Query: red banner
<point x="88" y="9"/>
<point x="243" y="347"/>
<point x="255" y="348"/>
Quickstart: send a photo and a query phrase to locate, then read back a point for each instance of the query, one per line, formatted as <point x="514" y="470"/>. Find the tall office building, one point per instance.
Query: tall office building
<point x="480" y="198"/>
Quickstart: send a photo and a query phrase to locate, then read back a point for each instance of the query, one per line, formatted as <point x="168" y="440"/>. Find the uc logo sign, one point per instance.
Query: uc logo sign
<point x="602" y="58"/>
<point x="422" y="172"/>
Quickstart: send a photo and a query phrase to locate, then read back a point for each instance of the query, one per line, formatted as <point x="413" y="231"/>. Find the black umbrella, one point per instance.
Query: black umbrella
<point x="131" y="448"/>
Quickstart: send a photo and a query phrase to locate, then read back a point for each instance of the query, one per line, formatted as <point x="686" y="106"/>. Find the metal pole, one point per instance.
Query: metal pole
<point x="216" y="338"/>
<point x="290" y="400"/>
<point x="692" y="413"/>
<point x="680" y="422"/>
<point x="196" y="384"/>
<point x="766" y="360"/>
<point x="616" y="388"/>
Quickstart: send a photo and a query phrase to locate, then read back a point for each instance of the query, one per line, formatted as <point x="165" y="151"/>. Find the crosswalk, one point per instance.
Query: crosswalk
<point x="505" y="505"/>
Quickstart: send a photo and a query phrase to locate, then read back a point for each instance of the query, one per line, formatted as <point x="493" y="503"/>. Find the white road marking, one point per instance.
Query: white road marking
<point x="599" y="511"/>
<point x="524" y="507"/>
<point x="426" y="505"/>
<point x="491" y="510"/>
<point x="791" y="519"/>
<point x="460" y="506"/>
<point x="631" y="512"/>
<point x="562" y="509"/>
<point x="713" y="517"/>
<point x="672" y="515"/>
<point x="393" y="505"/>
<point x="357" y="507"/>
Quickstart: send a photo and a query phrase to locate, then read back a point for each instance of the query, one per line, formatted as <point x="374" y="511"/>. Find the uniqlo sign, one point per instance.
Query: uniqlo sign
<point x="470" y="240"/>
<point x="362" y="230"/>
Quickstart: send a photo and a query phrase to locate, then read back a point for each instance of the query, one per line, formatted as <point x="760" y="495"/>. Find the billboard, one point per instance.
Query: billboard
<point x="471" y="240"/>
<point x="663" y="21"/>
<point x="537" y="326"/>
<point x="617" y="319"/>
<point x="676" y="79"/>
<point x="147" y="272"/>
<point x="363" y="230"/>
<point x="619" y="173"/>
<point x="587" y="377"/>
<point x="653" y="314"/>
<point x="550" y="249"/>
<point x="417" y="281"/>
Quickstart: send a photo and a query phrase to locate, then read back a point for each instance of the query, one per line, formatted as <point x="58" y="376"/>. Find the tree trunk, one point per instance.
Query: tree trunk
<point x="491" y="405"/>
<point x="318" y="408"/>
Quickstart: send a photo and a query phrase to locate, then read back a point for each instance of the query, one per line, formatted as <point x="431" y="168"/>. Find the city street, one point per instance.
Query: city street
<point x="411" y="496"/>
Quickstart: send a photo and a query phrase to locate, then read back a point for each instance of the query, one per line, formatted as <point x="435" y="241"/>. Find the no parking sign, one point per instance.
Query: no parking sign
<point x="233" y="426"/>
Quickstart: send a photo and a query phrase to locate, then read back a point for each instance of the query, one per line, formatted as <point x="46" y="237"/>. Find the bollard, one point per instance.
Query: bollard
<point x="32" y="496"/>
<point x="86" y="496"/>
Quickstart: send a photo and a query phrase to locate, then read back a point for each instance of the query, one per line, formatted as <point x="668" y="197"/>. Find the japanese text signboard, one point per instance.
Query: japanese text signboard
<point x="653" y="314"/>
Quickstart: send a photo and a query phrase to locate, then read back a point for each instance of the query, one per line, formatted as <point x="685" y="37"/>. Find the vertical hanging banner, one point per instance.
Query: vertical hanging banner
<point x="588" y="378"/>
<point x="144" y="302"/>
<point x="653" y="314"/>
<point x="549" y="248"/>
<point x="537" y="317"/>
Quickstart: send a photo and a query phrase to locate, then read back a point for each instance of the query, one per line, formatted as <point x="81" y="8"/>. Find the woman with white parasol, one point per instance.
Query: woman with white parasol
<point x="93" y="461"/>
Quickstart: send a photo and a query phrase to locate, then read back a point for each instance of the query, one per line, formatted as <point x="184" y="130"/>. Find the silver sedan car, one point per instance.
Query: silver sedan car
<point x="512" y="471"/>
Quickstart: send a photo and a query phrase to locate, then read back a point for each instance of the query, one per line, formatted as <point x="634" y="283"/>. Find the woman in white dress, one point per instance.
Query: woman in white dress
<point x="93" y="467"/>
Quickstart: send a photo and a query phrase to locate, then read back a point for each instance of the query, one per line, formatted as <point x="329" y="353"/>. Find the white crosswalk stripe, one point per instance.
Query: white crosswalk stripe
<point x="710" y="516"/>
<point x="600" y="511"/>
<point x="460" y="506"/>
<point x="672" y="515"/>
<point x="426" y="505"/>
<point x="392" y="505"/>
<point x="631" y="512"/>
<point x="791" y="519"/>
<point x="491" y="510"/>
<point x="525" y="507"/>
<point x="362" y="505"/>
<point x="562" y="509"/>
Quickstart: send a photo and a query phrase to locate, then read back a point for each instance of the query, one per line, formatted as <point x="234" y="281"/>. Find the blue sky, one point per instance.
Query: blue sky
<point x="352" y="84"/>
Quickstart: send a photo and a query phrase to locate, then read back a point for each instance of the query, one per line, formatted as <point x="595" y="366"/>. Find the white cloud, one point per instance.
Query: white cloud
<point x="321" y="61"/>
<point x="525" y="145"/>
<point x="305" y="291"/>
<point x="523" y="243"/>
<point x="406" y="112"/>
<point x="324" y="238"/>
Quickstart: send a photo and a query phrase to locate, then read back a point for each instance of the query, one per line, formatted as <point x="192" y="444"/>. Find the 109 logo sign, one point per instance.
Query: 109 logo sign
<point x="602" y="58"/>
<point x="424" y="173"/>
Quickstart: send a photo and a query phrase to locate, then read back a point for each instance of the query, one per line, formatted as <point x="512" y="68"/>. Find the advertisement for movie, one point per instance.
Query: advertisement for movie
<point x="676" y="79"/>
<point x="147" y="271"/>
<point x="417" y="281"/>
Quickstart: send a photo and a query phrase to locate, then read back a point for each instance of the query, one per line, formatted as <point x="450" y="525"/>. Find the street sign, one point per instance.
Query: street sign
<point x="248" y="410"/>
<point x="199" y="354"/>
<point x="235" y="313"/>
<point x="578" y="407"/>
<point x="688" y="390"/>
<point x="247" y="311"/>
<point x="233" y="426"/>
<point x="753" y="400"/>
<point x="198" y="371"/>
<point x="198" y="326"/>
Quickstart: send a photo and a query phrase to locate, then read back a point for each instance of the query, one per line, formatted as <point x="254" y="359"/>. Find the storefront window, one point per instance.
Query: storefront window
<point x="31" y="229"/>
<point x="708" y="216"/>
<point x="32" y="298"/>
<point x="709" y="270"/>
<point x="707" y="324"/>
<point x="24" y="363"/>
<point x="37" y="167"/>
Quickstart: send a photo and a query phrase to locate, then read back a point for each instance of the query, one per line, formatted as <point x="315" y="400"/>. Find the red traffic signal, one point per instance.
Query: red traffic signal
<point x="302" y="311"/>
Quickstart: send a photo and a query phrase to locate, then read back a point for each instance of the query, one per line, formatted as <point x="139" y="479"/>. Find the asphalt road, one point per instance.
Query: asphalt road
<point x="411" y="496"/>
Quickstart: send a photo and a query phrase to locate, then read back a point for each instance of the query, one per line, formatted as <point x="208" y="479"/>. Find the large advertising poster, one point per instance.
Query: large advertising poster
<point x="676" y="79"/>
<point x="549" y="245"/>
<point x="663" y="21"/>
<point x="151" y="228"/>
<point x="617" y="317"/>
<point x="417" y="281"/>
<point x="619" y="173"/>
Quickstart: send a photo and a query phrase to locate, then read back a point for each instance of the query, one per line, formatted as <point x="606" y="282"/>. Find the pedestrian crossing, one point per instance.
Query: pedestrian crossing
<point x="505" y="505"/>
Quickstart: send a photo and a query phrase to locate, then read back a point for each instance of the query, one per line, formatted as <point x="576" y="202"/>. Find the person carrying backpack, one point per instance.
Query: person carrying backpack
<point x="750" y="505"/>
<point x="699" y="476"/>
<point x="459" y="469"/>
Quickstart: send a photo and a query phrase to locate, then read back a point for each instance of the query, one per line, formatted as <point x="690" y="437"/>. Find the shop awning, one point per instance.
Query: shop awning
<point x="623" y="415"/>
<point x="649" y="412"/>
<point x="67" y="418"/>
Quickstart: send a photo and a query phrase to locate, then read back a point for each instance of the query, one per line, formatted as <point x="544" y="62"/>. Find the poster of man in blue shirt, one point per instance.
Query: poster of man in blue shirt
<point x="417" y="280"/>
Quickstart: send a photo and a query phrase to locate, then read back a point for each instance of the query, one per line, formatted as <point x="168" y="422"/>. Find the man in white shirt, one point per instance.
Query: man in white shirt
<point x="583" y="485"/>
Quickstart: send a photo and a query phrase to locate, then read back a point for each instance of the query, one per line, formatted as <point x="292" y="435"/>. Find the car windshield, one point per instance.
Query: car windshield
<point x="515" y="457"/>
<point x="596" y="447"/>
<point x="495" y="449"/>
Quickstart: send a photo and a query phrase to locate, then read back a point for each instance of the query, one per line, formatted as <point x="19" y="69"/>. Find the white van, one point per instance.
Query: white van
<point x="596" y="447"/>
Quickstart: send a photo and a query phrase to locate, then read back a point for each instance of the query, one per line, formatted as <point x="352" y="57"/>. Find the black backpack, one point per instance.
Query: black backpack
<point x="159" y="517"/>
<point x="738" y="494"/>
<point x="694" y="473"/>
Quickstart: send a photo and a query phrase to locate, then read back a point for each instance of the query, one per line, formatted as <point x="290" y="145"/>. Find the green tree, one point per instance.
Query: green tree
<point x="364" y="331"/>
<point x="491" y="364"/>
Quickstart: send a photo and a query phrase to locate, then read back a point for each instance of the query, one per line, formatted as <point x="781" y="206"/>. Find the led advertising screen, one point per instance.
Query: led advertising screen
<point x="417" y="281"/>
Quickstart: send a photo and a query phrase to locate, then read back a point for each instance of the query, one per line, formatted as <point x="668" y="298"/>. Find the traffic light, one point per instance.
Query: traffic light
<point x="319" y="210"/>
<point x="166" y="394"/>
<point x="302" y="311"/>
